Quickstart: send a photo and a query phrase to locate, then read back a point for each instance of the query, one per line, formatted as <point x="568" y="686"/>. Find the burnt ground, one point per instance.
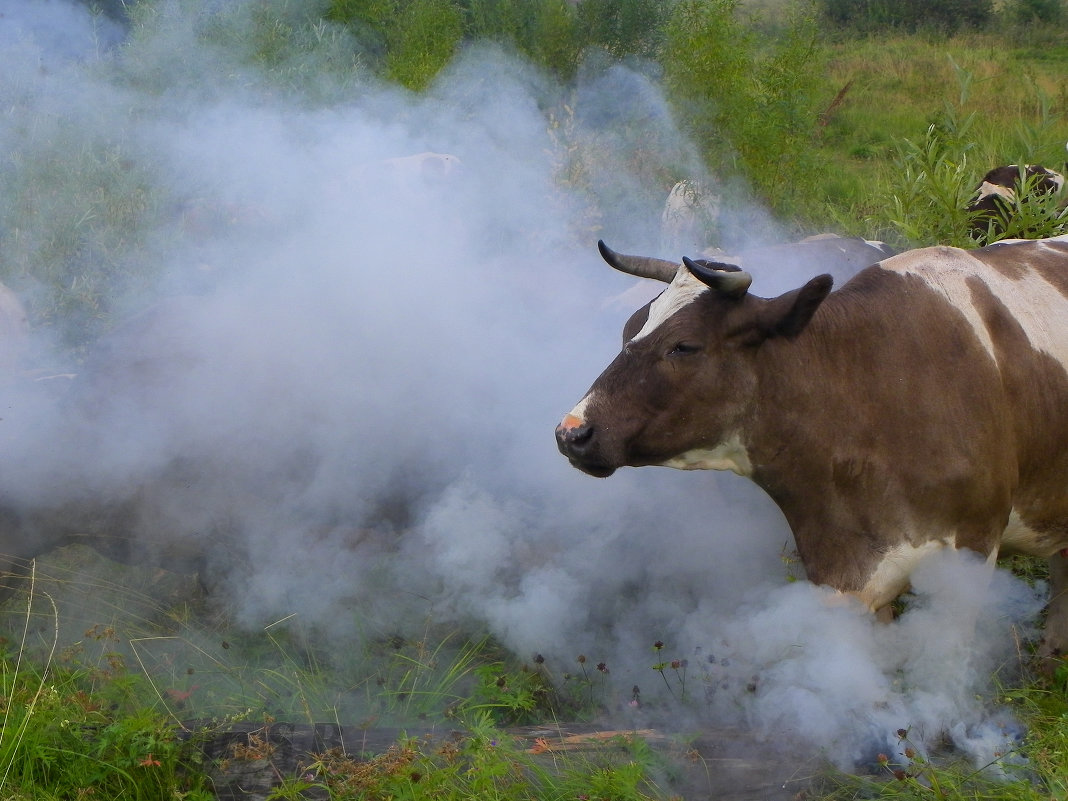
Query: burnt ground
<point x="247" y="761"/>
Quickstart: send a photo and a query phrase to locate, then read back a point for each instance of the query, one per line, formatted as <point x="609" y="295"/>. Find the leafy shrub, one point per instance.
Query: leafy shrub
<point x="746" y="100"/>
<point x="545" y="31"/>
<point x="624" y="27"/>
<point x="1030" y="12"/>
<point x="947" y="16"/>
<point x="421" y="39"/>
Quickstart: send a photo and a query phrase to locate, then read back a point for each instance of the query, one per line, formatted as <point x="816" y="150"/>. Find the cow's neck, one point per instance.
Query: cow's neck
<point x="805" y="388"/>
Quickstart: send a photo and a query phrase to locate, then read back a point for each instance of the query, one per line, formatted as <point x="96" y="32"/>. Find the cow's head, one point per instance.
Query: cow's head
<point x="679" y="390"/>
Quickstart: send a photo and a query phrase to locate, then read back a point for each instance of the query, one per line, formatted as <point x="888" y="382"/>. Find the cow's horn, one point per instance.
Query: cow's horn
<point x="641" y="266"/>
<point x="728" y="279"/>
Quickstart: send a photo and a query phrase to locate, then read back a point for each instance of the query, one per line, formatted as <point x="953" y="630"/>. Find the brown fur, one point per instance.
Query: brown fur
<point x="884" y="421"/>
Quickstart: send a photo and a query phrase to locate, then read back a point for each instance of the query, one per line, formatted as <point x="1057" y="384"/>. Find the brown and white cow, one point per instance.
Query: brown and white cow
<point x="923" y="405"/>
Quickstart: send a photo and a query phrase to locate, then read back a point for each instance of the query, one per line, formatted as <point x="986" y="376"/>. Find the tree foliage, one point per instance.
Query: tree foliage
<point x="745" y="98"/>
<point x="909" y="15"/>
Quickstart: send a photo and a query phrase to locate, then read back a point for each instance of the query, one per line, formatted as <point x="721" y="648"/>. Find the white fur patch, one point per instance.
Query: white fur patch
<point x="1038" y="306"/>
<point x="891" y="576"/>
<point x="680" y="293"/>
<point x="1021" y="537"/>
<point x="986" y="189"/>
<point x="728" y="455"/>
<point x="579" y="412"/>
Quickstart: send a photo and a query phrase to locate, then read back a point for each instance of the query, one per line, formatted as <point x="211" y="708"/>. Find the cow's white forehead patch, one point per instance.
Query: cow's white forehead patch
<point x="579" y="412"/>
<point x="681" y="292"/>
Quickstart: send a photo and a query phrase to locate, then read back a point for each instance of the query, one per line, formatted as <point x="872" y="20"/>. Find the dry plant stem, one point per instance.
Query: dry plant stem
<point x="18" y="664"/>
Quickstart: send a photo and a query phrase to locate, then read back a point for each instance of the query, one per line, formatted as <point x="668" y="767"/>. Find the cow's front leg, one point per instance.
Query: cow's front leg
<point x="1055" y="643"/>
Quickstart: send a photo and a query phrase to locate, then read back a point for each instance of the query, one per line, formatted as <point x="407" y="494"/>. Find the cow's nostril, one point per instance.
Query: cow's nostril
<point x="574" y="439"/>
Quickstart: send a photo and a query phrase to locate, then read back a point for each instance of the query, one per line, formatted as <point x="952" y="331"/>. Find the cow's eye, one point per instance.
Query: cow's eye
<point x="684" y="349"/>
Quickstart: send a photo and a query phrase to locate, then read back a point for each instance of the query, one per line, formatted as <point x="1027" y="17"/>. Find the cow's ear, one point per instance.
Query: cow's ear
<point x="787" y="315"/>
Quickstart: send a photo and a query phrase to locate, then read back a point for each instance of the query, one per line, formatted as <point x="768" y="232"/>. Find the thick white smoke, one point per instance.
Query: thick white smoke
<point x="345" y="403"/>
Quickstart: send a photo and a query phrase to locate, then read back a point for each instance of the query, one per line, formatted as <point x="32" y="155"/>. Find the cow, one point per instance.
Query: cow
<point x="995" y="198"/>
<point x="14" y="331"/>
<point x="922" y="406"/>
<point x="690" y="210"/>
<point x="840" y="256"/>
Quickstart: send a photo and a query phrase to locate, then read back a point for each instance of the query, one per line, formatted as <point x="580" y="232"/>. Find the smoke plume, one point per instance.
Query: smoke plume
<point x="338" y="358"/>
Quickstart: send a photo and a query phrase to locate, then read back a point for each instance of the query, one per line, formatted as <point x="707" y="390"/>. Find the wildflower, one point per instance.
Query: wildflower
<point x="181" y="695"/>
<point x="150" y="762"/>
<point x="882" y="759"/>
<point x="658" y="644"/>
<point x="676" y="663"/>
<point x="902" y="733"/>
<point x="601" y="666"/>
<point x="582" y="659"/>
<point x="900" y="775"/>
<point x="910" y="753"/>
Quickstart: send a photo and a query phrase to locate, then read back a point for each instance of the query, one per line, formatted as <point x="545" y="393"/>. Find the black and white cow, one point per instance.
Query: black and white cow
<point x="994" y="201"/>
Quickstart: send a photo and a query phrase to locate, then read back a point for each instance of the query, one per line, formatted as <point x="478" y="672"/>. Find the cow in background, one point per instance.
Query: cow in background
<point x="690" y="212"/>
<point x="994" y="201"/>
<point x="14" y="331"/>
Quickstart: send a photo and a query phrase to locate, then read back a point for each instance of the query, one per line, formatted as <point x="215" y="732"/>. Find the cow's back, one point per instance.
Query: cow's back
<point x="1014" y="296"/>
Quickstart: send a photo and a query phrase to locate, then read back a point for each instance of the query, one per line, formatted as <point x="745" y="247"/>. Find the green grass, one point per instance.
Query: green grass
<point x="102" y="717"/>
<point x="107" y="710"/>
<point x="881" y="136"/>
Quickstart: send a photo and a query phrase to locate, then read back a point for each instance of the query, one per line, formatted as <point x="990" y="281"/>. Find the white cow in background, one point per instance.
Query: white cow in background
<point x="690" y="212"/>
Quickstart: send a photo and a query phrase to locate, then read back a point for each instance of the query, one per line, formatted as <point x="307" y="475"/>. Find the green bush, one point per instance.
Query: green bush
<point x="947" y="16"/>
<point x="1031" y="12"/>
<point x="544" y="31"/>
<point x="624" y="27"/>
<point x="752" y="105"/>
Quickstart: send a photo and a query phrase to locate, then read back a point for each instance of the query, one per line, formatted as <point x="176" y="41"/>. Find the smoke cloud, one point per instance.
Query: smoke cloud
<point x="341" y="363"/>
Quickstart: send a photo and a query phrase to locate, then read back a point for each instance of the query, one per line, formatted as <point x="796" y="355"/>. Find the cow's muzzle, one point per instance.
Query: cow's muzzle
<point x="577" y="441"/>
